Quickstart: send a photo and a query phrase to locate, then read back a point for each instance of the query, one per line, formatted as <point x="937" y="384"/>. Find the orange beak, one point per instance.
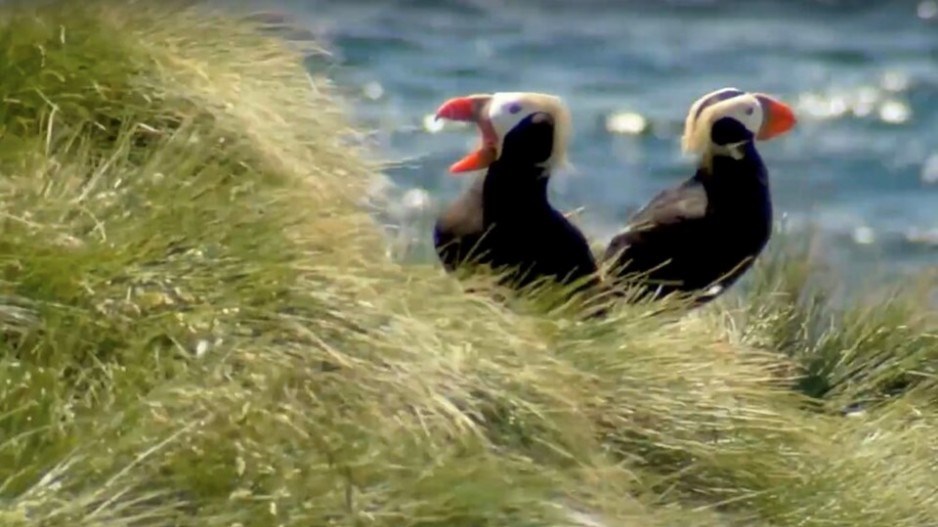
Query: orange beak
<point x="778" y="117"/>
<point x="472" y="109"/>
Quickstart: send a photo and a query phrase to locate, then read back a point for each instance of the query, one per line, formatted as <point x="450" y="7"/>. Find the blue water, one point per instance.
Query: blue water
<point x="860" y="172"/>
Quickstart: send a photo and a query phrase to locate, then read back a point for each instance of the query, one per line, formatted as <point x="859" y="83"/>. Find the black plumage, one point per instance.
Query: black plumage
<point x="705" y="232"/>
<point x="702" y="235"/>
<point x="505" y="221"/>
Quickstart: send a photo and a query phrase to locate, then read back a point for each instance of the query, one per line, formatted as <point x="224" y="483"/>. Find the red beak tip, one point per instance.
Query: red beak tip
<point x="457" y="109"/>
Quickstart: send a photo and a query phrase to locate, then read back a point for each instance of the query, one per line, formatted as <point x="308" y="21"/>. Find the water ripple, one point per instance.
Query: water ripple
<point x="861" y="75"/>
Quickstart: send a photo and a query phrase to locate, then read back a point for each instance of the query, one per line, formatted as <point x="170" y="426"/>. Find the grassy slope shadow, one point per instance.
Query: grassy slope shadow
<point x="198" y="330"/>
<point x="854" y="348"/>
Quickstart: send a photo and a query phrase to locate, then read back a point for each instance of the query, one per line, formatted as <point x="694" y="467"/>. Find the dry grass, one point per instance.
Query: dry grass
<point x="198" y="329"/>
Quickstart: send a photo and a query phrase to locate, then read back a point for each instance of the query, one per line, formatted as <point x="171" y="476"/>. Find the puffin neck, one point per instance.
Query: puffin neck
<point x="739" y="184"/>
<point x="747" y="159"/>
<point x="510" y="187"/>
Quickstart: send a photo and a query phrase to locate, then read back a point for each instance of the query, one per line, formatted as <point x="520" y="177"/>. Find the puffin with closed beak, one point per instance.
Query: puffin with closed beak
<point x="504" y="220"/>
<point x="699" y="237"/>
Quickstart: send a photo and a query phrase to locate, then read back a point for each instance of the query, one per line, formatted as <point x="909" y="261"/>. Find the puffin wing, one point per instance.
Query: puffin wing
<point x="669" y="215"/>
<point x="459" y="228"/>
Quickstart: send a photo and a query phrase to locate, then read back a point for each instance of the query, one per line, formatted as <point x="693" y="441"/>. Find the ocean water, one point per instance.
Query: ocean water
<point x="859" y="174"/>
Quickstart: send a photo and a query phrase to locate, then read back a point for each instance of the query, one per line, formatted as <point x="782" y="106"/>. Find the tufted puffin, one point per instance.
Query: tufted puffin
<point x="504" y="220"/>
<point x="699" y="237"/>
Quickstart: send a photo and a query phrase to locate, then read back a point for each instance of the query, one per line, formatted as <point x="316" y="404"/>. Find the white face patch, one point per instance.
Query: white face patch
<point x="743" y="108"/>
<point x="508" y="109"/>
<point x="727" y="102"/>
<point x="709" y="100"/>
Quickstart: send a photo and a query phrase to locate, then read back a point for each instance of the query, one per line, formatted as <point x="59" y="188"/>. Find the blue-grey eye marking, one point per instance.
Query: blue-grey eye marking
<point x="721" y="95"/>
<point x="514" y="107"/>
<point x="749" y="110"/>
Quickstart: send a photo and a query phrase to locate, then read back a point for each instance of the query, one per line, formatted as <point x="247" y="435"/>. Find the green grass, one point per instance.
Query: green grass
<point x="198" y="328"/>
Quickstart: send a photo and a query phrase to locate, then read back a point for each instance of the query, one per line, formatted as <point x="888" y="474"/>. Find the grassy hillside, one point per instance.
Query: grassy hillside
<point x="198" y="328"/>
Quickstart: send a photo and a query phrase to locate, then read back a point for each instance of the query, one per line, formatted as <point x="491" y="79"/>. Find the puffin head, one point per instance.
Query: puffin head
<point x="724" y="120"/>
<point x="517" y="127"/>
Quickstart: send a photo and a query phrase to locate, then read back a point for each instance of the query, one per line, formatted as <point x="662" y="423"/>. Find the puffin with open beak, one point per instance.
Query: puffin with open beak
<point x="701" y="236"/>
<point x="504" y="220"/>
